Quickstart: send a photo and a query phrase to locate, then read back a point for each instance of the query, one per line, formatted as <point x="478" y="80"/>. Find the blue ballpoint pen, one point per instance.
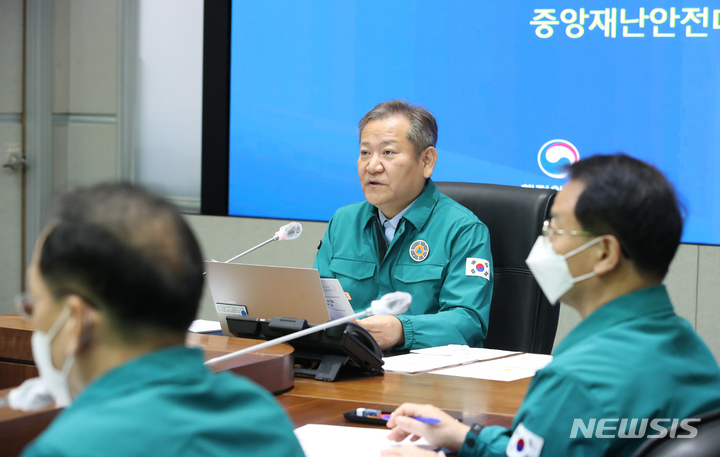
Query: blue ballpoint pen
<point x="427" y="420"/>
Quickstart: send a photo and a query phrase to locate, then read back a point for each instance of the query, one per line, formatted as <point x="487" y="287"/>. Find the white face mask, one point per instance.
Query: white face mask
<point x="56" y="381"/>
<point x="550" y="269"/>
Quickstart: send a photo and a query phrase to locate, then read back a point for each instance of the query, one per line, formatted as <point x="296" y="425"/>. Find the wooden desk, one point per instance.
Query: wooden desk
<point x="272" y="368"/>
<point x="473" y="400"/>
<point x="309" y="402"/>
<point x="308" y="410"/>
<point x="446" y="392"/>
<point x="16" y="360"/>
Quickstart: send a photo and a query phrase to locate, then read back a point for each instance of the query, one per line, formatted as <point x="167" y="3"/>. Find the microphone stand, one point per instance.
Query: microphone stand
<point x="290" y="337"/>
<point x="275" y="238"/>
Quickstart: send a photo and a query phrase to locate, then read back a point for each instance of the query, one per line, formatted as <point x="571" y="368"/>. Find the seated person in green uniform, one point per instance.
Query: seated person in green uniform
<point x="614" y="230"/>
<point x="407" y="236"/>
<point x="114" y="283"/>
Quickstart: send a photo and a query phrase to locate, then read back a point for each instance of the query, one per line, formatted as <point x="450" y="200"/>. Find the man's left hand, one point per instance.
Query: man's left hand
<point x="387" y="330"/>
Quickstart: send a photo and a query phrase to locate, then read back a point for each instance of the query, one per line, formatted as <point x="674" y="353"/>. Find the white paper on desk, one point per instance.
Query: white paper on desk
<point x="333" y="440"/>
<point x="464" y="350"/>
<point x="484" y="370"/>
<point x="337" y="303"/>
<point x="506" y="369"/>
<point x="415" y="363"/>
<point x="428" y="359"/>
<point x="525" y="361"/>
<point x="203" y="326"/>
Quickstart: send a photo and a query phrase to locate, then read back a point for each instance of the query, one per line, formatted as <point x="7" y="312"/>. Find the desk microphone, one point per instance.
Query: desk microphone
<point x="287" y="232"/>
<point x="391" y="304"/>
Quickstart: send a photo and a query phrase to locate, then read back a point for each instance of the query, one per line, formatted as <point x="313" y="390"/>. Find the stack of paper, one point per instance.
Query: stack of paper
<point x="333" y="440"/>
<point x="507" y="369"/>
<point x="440" y="357"/>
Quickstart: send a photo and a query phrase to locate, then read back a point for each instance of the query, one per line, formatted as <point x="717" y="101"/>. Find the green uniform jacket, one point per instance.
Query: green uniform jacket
<point x="450" y="305"/>
<point x="633" y="358"/>
<point x="167" y="403"/>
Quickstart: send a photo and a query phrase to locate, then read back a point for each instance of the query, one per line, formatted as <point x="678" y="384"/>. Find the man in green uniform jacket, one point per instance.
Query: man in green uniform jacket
<point x="114" y="283"/>
<point x="408" y="236"/>
<point x="632" y="367"/>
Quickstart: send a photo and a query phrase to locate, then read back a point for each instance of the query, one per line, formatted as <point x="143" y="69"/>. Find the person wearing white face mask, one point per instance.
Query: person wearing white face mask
<point x="51" y="385"/>
<point x="550" y="269"/>
<point x="114" y="283"/>
<point x="613" y="232"/>
<point x="55" y="380"/>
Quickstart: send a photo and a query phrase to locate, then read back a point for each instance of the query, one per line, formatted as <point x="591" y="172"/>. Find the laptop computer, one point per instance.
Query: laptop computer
<point x="264" y="292"/>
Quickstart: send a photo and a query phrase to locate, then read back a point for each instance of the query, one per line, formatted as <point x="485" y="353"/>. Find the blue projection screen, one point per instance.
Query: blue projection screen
<point x="518" y="89"/>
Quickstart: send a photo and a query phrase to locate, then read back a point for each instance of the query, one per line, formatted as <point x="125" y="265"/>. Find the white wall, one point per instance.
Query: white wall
<point x="169" y="102"/>
<point x="86" y="41"/>
<point x="11" y="37"/>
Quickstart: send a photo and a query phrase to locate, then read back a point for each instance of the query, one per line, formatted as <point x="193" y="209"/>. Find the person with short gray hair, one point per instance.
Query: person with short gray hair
<point x="423" y="131"/>
<point x="408" y="236"/>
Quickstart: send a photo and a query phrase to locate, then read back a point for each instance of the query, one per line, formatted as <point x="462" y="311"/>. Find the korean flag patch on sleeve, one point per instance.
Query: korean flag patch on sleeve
<point x="524" y="443"/>
<point x="477" y="267"/>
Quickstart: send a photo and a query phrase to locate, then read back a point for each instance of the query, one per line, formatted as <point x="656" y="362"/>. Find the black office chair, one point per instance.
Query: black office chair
<point x="521" y="319"/>
<point x="705" y="444"/>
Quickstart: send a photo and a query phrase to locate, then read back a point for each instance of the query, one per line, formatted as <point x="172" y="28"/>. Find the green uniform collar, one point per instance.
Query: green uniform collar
<point x="649" y="300"/>
<point x="173" y="362"/>
<point x="417" y="214"/>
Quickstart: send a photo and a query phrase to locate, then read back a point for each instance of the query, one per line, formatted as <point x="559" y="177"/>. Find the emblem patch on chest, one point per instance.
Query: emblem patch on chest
<point x="419" y="250"/>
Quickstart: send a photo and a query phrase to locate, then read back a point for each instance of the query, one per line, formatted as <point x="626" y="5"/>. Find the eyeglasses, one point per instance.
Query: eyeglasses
<point x="548" y="230"/>
<point x="24" y="305"/>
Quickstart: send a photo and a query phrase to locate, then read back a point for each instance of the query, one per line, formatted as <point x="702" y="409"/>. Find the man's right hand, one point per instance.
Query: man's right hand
<point x="448" y="433"/>
<point x="387" y="330"/>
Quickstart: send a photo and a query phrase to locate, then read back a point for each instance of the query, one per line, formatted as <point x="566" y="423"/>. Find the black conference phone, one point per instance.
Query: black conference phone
<point x="347" y="349"/>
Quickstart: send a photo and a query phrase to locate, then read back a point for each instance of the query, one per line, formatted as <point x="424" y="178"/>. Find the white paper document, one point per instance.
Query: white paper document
<point x="333" y="440"/>
<point x="484" y="371"/>
<point x="204" y="326"/>
<point x="439" y="357"/>
<point x="415" y="363"/>
<point x="460" y="349"/>
<point x="526" y="361"/>
<point x="337" y="302"/>
<point x="507" y="369"/>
